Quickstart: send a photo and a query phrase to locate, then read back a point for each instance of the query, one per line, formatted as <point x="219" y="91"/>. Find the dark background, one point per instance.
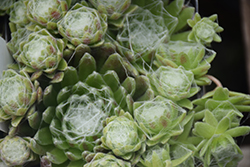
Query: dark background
<point x="229" y="66"/>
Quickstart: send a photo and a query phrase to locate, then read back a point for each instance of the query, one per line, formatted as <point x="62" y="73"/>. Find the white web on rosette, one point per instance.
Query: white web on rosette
<point x="158" y="150"/>
<point x="18" y="14"/>
<point x="111" y="6"/>
<point x="42" y="10"/>
<point x="16" y="38"/>
<point x="13" y="91"/>
<point x="85" y="114"/>
<point x="121" y="132"/>
<point x="157" y="116"/>
<point x="38" y="49"/>
<point x="5" y="4"/>
<point x="145" y="29"/>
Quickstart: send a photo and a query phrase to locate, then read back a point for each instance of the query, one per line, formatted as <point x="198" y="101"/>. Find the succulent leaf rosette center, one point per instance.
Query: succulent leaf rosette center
<point x="17" y="94"/>
<point x="18" y="14"/>
<point x="84" y="18"/>
<point x="82" y="114"/>
<point x="84" y="25"/>
<point x="142" y="34"/>
<point x="14" y="91"/>
<point x="172" y="83"/>
<point x="122" y="136"/>
<point x="204" y="30"/>
<point x="120" y="133"/>
<point x="225" y="152"/>
<point x="103" y="160"/>
<point x="14" y="151"/>
<point x="158" y="117"/>
<point x="83" y="117"/>
<point x="114" y="8"/>
<point x="41" y="52"/>
<point x="42" y="11"/>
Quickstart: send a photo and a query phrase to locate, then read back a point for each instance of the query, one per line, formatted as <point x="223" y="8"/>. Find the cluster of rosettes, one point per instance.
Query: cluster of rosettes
<point x="107" y="83"/>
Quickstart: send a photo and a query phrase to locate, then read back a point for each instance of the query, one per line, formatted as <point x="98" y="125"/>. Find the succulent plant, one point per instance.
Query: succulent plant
<point x="116" y="10"/>
<point x="47" y="13"/>
<point x="18" y="14"/>
<point x="159" y="119"/>
<point x="225" y="152"/>
<point x="82" y="110"/>
<point x="223" y="103"/>
<point x="102" y="160"/>
<point x="115" y="83"/>
<point x="176" y="84"/>
<point x="220" y="134"/>
<point x="192" y="56"/>
<point x="15" y="151"/>
<point x="41" y="54"/>
<point x="204" y="30"/>
<point x="83" y="25"/>
<point x="142" y="33"/>
<point x="122" y="136"/>
<point x="156" y="156"/>
<point x="5" y="6"/>
<point x="18" y="94"/>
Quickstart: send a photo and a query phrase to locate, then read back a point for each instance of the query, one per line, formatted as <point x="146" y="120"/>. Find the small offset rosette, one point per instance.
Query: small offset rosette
<point x="5" y="6"/>
<point x="83" y="25"/>
<point x="115" y="9"/>
<point x="18" y="14"/>
<point x="123" y="137"/>
<point x="143" y="32"/>
<point x="41" y="53"/>
<point x="159" y="119"/>
<point x="156" y="156"/>
<point x="192" y="56"/>
<point x="217" y="140"/>
<point x="17" y="96"/>
<point x="15" y="151"/>
<point x="176" y="84"/>
<point x="106" y="160"/>
<point x="225" y="152"/>
<point x="204" y="30"/>
<point x="47" y="13"/>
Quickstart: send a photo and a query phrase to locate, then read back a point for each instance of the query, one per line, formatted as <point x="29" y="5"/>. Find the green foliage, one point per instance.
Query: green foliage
<point x="115" y="83"/>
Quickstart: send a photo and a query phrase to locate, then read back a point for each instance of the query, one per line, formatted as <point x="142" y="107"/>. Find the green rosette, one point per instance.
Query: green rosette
<point x="204" y="30"/>
<point x="41" y="53"/>
<point x="192" y="56"/>
<point x="159" y="119"/>
<point x="116" y="11"/>
<point x="18" y="14"/>
<point x="143" y="32"/>
<point x="15" y="151"/>
<point x="47" y="13"/>
<point x="18" y="96"/>
<point x="220" y="135"/>
<point x="222" y="103"/>
<point x="83" y="25"/>
<point x="122" y="136"/>
<point x="103" y="160"/>
<point x="176" y="84"/>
